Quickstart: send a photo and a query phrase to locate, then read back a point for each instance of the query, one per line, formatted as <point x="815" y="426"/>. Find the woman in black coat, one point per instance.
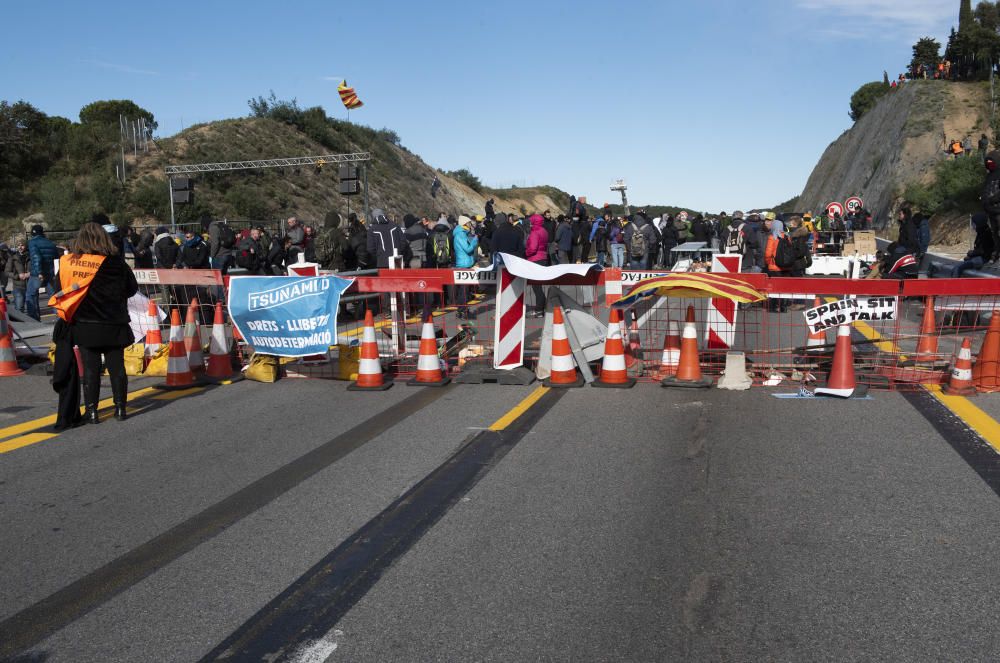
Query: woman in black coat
<point x="99" y="321"/>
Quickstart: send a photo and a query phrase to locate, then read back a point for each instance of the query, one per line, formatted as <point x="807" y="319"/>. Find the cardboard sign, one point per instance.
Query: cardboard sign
<point x="847" y="311"/>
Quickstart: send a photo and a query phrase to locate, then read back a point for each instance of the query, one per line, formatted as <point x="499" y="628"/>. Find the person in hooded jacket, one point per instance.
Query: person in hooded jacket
<point x="165" y="249"/>
<point x="193" y="253"/>
<point x="464" y="243"/>
<point x="536" y="250"/>
<point x="599" y="238"/>
<point x="384" y="239"/>
<point x="416" y="238"/>
<point x="143" y="248"/>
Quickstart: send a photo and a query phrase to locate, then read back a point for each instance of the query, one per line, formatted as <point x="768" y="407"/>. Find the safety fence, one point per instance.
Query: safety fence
<point x="904" y="333"/>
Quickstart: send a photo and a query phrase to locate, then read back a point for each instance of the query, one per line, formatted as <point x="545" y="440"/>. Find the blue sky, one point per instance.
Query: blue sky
<point x="712" y="105"/>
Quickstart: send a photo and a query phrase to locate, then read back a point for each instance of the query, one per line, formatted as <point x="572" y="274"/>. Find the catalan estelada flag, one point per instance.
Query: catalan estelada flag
<point x="348" y="96"/>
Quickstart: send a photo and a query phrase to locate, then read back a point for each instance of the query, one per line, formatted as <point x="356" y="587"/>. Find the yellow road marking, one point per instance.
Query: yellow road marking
<point x="25" y="440"/>
<point x="519" y="409"/>
<point x="985" y="425"/>
<point x="171" y="395"/>
<point x="27" y="426"/>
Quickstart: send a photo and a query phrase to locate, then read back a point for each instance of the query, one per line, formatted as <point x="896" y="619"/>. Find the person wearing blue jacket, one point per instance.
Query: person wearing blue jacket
<point x="464" y="242"/>
<point x="42" y="253"/>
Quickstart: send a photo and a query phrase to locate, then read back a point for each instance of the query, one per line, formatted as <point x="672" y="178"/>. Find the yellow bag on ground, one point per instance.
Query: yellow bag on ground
<point x="262" y="368"/>
<point x="135" y="359"/>
<point x="347" y="364"/>
<point x="158" y="363"/>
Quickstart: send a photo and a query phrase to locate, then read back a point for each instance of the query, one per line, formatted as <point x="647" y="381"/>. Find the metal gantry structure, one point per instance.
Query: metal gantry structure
<point x="360" y="158"/>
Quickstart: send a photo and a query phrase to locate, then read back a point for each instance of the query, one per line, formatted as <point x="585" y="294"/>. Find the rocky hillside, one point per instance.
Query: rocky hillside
<point x="399" y="181"/>
<point x="897" y="143"/>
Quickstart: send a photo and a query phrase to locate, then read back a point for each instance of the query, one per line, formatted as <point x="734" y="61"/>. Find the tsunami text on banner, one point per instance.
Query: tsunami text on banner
<point x="287" y="316"/>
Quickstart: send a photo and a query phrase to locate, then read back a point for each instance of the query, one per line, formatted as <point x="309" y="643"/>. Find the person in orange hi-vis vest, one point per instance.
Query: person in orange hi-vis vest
<point x="92" y="303"/>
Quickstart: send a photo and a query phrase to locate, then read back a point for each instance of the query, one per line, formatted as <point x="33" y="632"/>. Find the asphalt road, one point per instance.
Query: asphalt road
<point x="640" y="525"/>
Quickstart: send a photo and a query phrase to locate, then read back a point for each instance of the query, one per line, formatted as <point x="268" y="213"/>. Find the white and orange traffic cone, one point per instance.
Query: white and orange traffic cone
<point x="429" y="373"/>
<point x="563" y="374"/>
<point x="370" y="376"/>
<point x="986" y="372"/>
<point x="179" y="375"/>
<point x="154" y="338"/>
<point x="960" y="383"/>
<point x="220" y="366"/>
<point x="689" y="368"/>
<point x="816" y="342"/>
<point x="8" y="360"/>
<point x="841" y="382"/>
<point x="614" y="374"/>
<point x="671" y="358"/>
<point x="192" y="338"/>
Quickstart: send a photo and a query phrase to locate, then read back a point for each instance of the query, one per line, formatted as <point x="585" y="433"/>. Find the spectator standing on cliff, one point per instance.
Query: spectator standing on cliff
<point x="984" y="145"/>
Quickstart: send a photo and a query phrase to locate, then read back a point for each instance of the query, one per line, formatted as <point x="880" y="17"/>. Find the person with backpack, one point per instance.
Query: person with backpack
<point x="417" y="238"/>
<point x="440" y="244"/>
<point x="599" y="238"/>
<point x="682" y="226"/>
<point x="778" y="256"/>
<point x="221" y="245"/>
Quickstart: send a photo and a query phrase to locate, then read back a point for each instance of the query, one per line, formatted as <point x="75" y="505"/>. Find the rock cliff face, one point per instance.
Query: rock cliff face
<point x="898" y="141"/>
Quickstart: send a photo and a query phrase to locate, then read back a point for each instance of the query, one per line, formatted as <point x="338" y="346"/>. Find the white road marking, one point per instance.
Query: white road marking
<point x="314" y="652"/>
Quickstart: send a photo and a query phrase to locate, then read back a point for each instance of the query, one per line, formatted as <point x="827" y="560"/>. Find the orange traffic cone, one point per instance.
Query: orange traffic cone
<point x="927" y="345"/>
<point x="688" y="369"/>
<point x="671" y="351"/>
<point x="960" y="383"/>
<point x="8" y="361"/>
<point x="841" y="381"/>
<point x="429" y="372"/>
<point x="369" y="365"/>
<point x="192" y="338"/>
<point x="220" y="367"/>
<point x="816" y="341"/>
<point x="633" y="351"/>
<point x="986" y="372"/>
<point x="179" y="375"/>
<point x="690" y="314"/>
<point x="613" y="371"/>
<point x="154" y="338"/>
<point x="563" y="373"/>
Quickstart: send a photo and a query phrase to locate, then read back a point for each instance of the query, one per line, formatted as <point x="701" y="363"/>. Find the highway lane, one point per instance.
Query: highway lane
<point x="620" y="525"/>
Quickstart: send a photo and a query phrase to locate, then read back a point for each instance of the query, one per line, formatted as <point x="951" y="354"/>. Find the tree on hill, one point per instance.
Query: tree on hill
<point x="865" y="98"/>
<point x="974" y="49"/>
<point x="926" y="52"/>
<point x="108" y="112"/>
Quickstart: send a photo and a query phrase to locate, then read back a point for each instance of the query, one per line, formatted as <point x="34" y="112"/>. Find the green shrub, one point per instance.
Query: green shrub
<point x="956" y="184"/>
<point x="865" y="98"/>
<point x="467" y="178"/>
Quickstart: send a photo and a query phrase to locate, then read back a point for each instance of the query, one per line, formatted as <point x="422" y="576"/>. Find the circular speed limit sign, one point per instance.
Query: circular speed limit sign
<point x="853" y="204"/>
<point x="834" y="208"/>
